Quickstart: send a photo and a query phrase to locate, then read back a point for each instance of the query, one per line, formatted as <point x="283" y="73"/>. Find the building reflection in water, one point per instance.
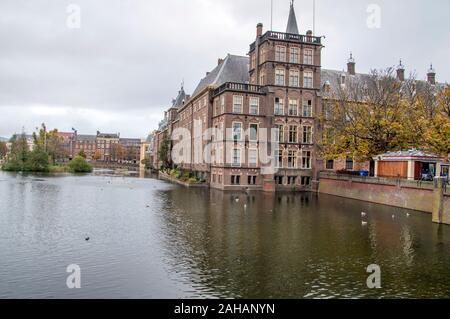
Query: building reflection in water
<point x="290" y="245"/>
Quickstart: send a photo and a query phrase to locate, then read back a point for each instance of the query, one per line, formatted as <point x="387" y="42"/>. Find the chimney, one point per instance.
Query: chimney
<point x="219" y="61"/>
<point x="351" y="65"/>
<point x="401" y="72"/>
<point x="259" y="30"/>
<point x="431" y="75"/>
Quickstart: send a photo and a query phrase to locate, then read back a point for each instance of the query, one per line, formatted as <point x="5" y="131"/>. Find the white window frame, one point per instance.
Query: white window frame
<point x="238" y="100"/>
<point x="278" y="106"/>
<point x="254" y="101"/>
<point x="291" y="103"/>
<point x="250" y="132"/>
<point x="306" y="165"/>
<point x="307" y="135"/>
<point x="294" y="159"/>
<point x="294" y="56"/>
<point x="280" y="53"/>
<point x="295" y="135"/>
<point x="253" y="157"/>
<point x="306" y="107"/>
<point x="294" y="78"/>
<point x="280" y="76"/>
<point x="308" y="79"/>
<point x="308" y="58"/>
<point x="240" y="131"/>
<point x="236" y="151"/>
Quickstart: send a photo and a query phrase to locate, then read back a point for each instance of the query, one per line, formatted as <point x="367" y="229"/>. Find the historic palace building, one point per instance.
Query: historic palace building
<point x="278" y="87"/>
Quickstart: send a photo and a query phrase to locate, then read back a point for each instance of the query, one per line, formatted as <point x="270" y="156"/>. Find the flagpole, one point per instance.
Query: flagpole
<point x="314" y="17"/>
<point x="271" y="15"/>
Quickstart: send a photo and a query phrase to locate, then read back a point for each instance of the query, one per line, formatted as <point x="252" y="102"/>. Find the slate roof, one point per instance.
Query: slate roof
<point x="181" y="98"/>
<point x="333" y="78"/>
<point x="83" y="137"/>
<point x="292" y="21"/>
<point x="234" y="68"/>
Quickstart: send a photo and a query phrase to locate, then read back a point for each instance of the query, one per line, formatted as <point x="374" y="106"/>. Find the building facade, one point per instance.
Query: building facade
<point x="279" y="88"/>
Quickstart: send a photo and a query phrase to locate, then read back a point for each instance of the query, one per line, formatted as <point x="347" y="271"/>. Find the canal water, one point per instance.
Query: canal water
<point x="150" y="239"/>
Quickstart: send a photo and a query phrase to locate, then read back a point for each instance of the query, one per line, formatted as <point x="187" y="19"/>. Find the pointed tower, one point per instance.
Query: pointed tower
<point x="292" y="27"/>
<point x="431" y="75"/>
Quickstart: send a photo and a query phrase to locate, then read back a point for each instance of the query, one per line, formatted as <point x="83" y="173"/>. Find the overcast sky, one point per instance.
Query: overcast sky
<point x="119" y="71"/>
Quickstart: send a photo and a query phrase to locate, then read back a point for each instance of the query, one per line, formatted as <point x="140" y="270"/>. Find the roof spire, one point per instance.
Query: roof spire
<point x="292" y="21"/>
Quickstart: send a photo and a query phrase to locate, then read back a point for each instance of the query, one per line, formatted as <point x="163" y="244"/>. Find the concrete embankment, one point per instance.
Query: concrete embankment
<point x="429" y="197"/>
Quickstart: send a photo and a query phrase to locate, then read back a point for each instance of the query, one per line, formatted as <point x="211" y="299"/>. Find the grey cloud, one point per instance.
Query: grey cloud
<point x="130" y="56"/>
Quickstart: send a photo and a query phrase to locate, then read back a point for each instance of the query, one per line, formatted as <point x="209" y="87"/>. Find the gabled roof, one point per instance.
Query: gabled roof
<point x="292" y="21"/>
<point x="232" y="69"/>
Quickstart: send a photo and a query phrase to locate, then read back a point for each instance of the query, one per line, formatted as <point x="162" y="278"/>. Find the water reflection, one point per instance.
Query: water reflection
<point x="150" y="239"/>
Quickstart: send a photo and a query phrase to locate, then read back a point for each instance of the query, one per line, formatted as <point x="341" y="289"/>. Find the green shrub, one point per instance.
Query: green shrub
<point x="79" y="165"/>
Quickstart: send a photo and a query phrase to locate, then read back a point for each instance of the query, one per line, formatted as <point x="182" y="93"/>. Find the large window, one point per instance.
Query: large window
<point x="293" y="134"/>
<point x="307" y="135"/>
<point x="306" y="159"/>
<point x="262" y="78"/>
<point x="308" y="79"/>
<point x="292" y="159"/>
<point x="308" y="57"/>
<point x="294" y="56"/>
<point x="254" y="106"/>
<point x="280" y="53"/>
<point x="251" y="180"/>
<point x="279" y="77"/>
<point x="253" y="132"/>
<point x="279" y="159"/>
<point x="237" y="103"/>
<point x="294" y="78"/>
<point x="307" y="108"/>
<point x="237" y="131"/>
<point x="293" y="107"/>
<point x="236" y="157"/>
<point x="279" y="106"/>
<point x="253" y="157"/>
<point x="279" y="131"/>
<point x="235" y="180"/>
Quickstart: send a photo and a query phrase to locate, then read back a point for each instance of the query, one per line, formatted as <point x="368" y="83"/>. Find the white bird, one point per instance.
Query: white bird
<point x="408" y="214"/>
<point x="237" y="200"/>
<point x="363" y="214"/>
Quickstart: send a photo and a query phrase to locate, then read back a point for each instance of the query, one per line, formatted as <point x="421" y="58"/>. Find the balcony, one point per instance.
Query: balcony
<point x="299" y="38"/>
<point x="238" y="87"/>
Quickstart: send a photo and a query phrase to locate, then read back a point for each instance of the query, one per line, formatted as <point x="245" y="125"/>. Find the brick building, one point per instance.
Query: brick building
<point x="279" y="87"/>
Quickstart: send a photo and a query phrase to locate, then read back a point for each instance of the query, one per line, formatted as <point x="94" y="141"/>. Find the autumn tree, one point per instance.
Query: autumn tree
<point x="368" y="117"/>
<point x="3" y="150"/>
